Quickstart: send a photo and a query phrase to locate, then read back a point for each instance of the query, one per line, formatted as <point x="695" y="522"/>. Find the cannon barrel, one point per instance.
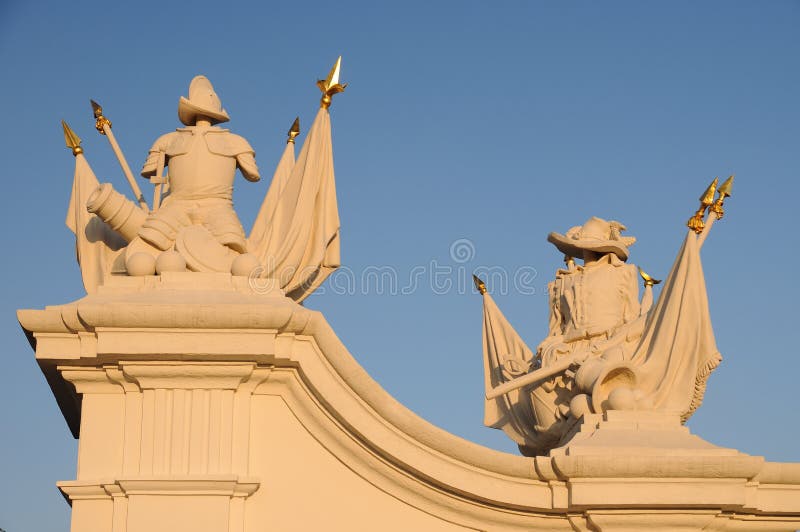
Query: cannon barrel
<point x="123" y="215"/>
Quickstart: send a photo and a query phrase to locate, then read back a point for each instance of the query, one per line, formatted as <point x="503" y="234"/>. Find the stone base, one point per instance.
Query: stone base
<point x="644" y="470"/>
<point x="208" y="402"/>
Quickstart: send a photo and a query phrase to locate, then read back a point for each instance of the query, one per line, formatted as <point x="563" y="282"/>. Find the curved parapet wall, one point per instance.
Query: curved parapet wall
<point x="229" y="408"/>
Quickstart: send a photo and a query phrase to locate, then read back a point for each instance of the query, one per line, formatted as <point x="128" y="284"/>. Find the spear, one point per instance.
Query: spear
<point x="103" y="126"/>
<point x="293" y="131"/>
<point x="72" y="140"/>
<point x="696" y="223"/>
<point x="330" y="85"/>
<point x="479" y="284"/>
<point x="716" y="211"/>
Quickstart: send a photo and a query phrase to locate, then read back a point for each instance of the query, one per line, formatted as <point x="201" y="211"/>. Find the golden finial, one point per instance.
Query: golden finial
<point x="696" y="223"/>
<point x="708" y="196"/>
<point x="722" y="192"/>
<point x="101" y="120"/>
<point x="330" y="85"/>
<point x="73" y="141"/>
<point x="294" y="130"/>
<point x="648" y="281"/>
<point x="480" y="285"/>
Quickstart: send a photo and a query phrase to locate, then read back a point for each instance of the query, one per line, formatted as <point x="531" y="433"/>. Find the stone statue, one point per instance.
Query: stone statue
<point x="195" y="226"/>
<point x="202" y="161"/>
<point x="590" y="303"/>
<point x="592" y="308"/>
<point x="295" y="239"/>
<point x="606" y="349"/>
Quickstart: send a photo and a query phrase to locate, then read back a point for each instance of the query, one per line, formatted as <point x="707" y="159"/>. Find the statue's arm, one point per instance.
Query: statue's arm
<point x="247" y="164"/>
<point x="237" y="146"/>
<point x="632" y="308"/>
<point x="149" y="168"/>
<point x="555" y="312"/>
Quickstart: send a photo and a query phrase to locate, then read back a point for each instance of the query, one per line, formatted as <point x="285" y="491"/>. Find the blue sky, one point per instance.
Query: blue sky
<point x="482" y="124"/>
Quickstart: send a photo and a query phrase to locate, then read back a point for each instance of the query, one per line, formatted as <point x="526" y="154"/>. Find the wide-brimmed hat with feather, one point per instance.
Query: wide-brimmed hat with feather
<point x="598" y="235"/>
<point x="202" y="101"/>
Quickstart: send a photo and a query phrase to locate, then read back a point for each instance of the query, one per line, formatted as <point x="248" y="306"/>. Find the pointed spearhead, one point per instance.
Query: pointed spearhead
<point x="72" y="140"/>
<point x="96" y="108"/>
<point x="725" y="189"/>
<point x="648" y="280"/>
<point x="480" y="285"/>
<point x="708" y="196"/>
<point x="696" y="222"/>
<point x="294" y="130"/>
<point x="330" y="85"/>
<point x="723" y="192"/>
<point x="333" y="75"/>
<point x="100" y="120"/>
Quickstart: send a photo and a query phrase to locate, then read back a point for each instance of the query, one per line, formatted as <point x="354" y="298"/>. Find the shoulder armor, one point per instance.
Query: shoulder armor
<point x="166" y="144"/>
<point x="227" y="144"/>
<point x="163" y="141"/>
<point x="177" y="143"/>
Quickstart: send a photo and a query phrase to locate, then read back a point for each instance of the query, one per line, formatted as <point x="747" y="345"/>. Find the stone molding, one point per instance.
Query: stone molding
<point x="99" y="355"/>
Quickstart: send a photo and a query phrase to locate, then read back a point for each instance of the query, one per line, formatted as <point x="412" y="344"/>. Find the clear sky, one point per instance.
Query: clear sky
<point x="468" y="132"/>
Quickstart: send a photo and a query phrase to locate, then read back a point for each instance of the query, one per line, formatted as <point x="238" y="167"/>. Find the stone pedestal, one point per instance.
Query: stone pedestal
<point x="160" y="401"/>
<point x="643" y="470"/>
<point x="206" y="402"/>
<point x="156" y="438"/>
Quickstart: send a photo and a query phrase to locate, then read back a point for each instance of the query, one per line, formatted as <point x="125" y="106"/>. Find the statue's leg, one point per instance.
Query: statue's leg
<point x="223" y="223"/>
<point x="161" y="228"/>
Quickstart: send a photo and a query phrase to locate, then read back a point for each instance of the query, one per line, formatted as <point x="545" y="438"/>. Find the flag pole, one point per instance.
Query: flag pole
<point x="103" y="126"/>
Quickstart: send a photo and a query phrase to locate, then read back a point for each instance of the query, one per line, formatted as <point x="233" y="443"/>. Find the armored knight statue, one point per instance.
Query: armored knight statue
<point x="605" y="349"/>
<point x="202" y="161"/>
<point x="294" y="240"/>
<point x="196" y="225"/>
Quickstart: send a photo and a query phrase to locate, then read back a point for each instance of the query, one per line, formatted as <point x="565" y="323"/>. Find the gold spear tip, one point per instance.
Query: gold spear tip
<point x="96" y="109"/>
<point x="101" y="121"/>
<point x="725" y="189"/>
<point x="330" y="85"/>
<point x="480" y="285"/>
<point x="333" y="75"/>
<point x="72" y="140"/>
<point x="294" y="130"/>
<point x="708" y="196"/>
<point x="723" y="192"/>
<point x="648" y="280"/>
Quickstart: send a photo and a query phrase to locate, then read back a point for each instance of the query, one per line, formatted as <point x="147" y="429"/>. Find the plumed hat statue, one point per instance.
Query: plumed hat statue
<point x="606" y="350"/>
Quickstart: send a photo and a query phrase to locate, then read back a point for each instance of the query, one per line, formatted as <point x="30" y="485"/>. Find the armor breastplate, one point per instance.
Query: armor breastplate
<point x="195" y="172"/>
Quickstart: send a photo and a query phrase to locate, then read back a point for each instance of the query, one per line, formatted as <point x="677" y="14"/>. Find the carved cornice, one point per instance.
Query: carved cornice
<point x="219" y="485"/>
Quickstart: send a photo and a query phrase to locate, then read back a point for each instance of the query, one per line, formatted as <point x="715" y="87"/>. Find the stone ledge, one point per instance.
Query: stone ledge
<point x="220" y="485"/>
